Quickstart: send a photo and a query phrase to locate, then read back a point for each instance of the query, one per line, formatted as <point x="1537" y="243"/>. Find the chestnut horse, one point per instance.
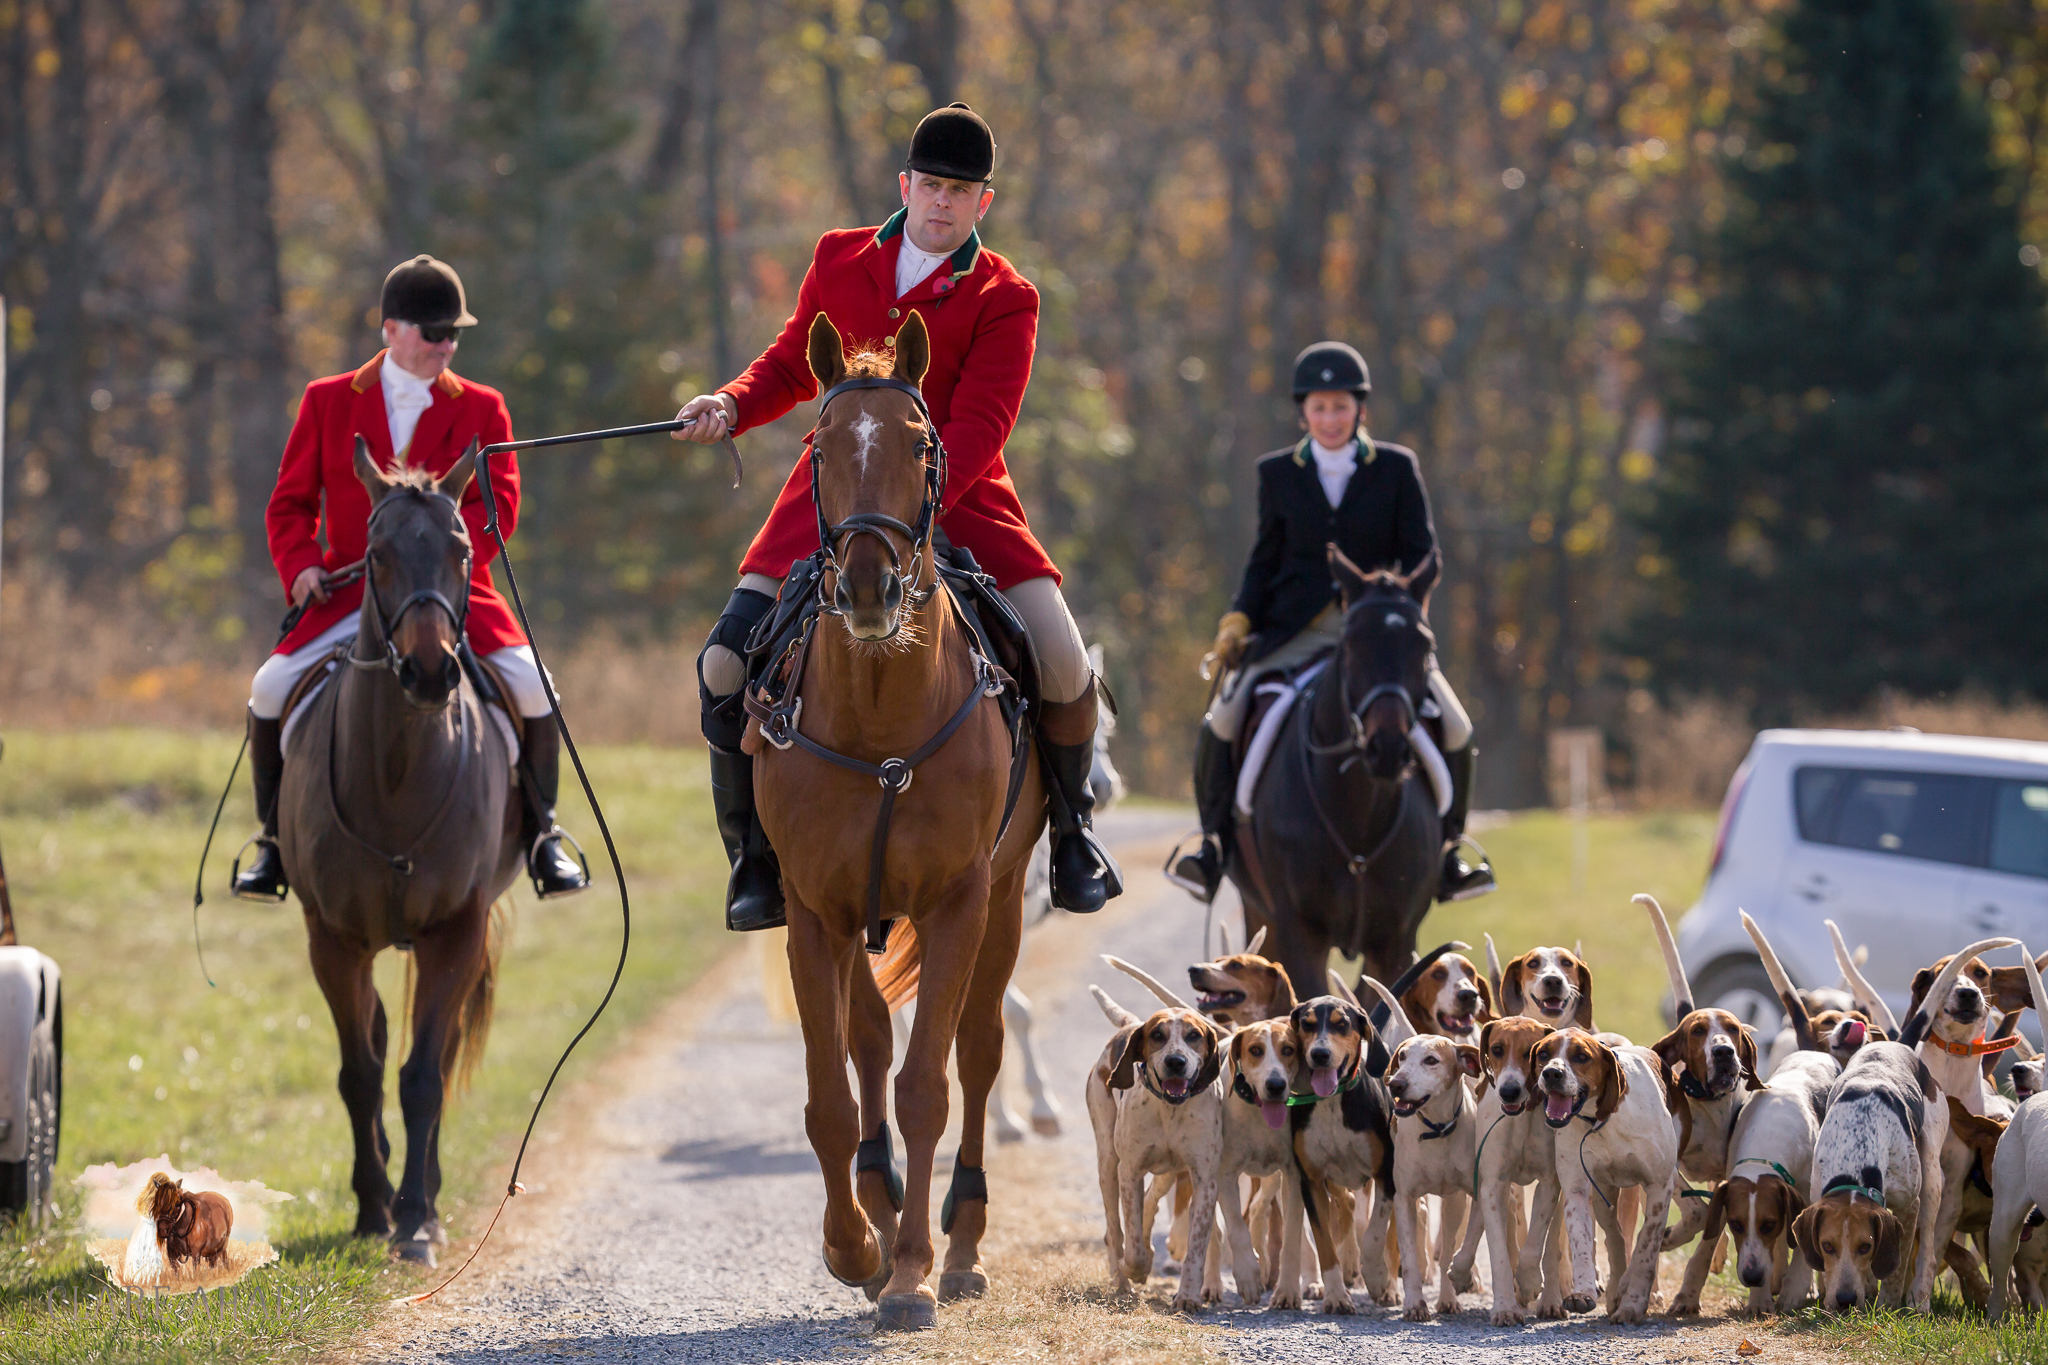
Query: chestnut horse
<point x="398" y="827"/>
<point x="890" y="669"/>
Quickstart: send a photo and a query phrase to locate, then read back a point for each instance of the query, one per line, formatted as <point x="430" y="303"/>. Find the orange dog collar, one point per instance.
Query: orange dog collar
<point x="1977" y="1047"/>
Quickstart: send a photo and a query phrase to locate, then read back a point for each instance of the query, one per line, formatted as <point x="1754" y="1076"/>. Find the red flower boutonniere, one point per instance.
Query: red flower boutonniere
<point x="944" y="286"/>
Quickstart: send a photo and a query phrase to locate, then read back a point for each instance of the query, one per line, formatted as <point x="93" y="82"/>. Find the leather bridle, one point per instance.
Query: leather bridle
<point x="879" y="524"/>
<point x="389" y="622"/>
<point x="1354" y="713"/>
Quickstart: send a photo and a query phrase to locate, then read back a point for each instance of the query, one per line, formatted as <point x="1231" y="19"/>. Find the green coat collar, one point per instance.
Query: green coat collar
<point x="1367" y="452"/>
<point x="961" y="262"/>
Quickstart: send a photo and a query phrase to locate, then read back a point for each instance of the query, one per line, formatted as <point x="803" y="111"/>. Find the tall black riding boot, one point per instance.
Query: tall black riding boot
<point x="753" y="894"/>
<point x="1199" y="873"/>
<point x="1461" y="880"/>
<point x="554" y="872"/>
<point x="263" y="879"/>
<point x="1084" y="876"/>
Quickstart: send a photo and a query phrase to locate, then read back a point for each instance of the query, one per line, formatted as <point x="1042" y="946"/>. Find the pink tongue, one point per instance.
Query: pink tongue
<point x="1557" y="1107"/>
<point x="1323" y="1080"/>
<point x="1275" y="1112"/>
<point x="1856" y="1032"/>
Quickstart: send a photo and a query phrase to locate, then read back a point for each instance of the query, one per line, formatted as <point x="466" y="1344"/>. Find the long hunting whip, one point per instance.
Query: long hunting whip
<point x="353" y="571"/>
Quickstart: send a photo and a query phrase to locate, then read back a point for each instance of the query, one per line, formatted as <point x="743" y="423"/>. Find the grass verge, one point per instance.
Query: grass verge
<point x="102" y="830"/>
<point x="1952" y="1333"/>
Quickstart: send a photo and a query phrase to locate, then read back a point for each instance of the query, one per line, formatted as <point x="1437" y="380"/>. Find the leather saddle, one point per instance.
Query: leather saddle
<point x="484" y="677"/>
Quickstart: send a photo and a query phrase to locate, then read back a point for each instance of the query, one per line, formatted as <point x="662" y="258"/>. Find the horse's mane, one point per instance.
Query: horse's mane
<point x="413" y="477"/>
<point x="872" y="364"/>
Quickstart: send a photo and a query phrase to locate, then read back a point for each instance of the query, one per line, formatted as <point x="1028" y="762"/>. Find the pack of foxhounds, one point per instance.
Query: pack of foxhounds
<point x="1850" y="1160"/>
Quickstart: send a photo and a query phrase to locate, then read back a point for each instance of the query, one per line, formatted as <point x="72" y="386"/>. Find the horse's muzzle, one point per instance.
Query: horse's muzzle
<point x="429" y="687"/>
<point x="1386" y="753"/>
<point x="874" y="614"/>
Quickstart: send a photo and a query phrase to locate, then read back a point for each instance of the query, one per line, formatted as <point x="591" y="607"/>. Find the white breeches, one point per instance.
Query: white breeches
<point x="280" y="673"/>
<point x="1233" y="698"/>
<point x="1063" y="668"/>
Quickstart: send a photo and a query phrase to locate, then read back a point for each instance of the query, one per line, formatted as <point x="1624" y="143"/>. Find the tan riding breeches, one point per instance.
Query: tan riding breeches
<point x="272" y="686"/>
<point x="1234" y="697"/>
<point x="1063" y="668"/>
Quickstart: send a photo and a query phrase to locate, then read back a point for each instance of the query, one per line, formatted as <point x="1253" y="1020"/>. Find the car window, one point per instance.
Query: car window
<point x="2019" y="829"/>
<point x="1937" y="816"/>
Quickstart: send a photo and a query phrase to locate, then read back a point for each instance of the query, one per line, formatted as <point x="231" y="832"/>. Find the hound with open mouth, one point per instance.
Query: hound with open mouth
<point x="1610" y="1110"/>
<point x="1956" y="1041"/>
<point x="1257" y="1140"/>
<point x="1550" y="985"/>
<point x="1451" y="998"/>
<point x="1343" y="1137"/>
<point x="1877" y="1167"/>
<point x="1436" y="1139"/>
<point x="1242" y="988"/>
<point x="1156" y="1109"/>
<point x="1515" y="1149"/>
<point x="1769" y="1167"/>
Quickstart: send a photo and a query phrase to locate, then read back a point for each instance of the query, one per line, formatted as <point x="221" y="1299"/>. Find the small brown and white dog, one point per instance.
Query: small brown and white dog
<point x="190" y="1226"/>
<point x="1877" y="1174"/>
<point x="1517" y="1150"/>
<point x="1345" y="1140"/>
<point x="1156" y="1110"/>
<point x="1451" y="999"/>
<point x="1435" y="1140"/>
<point x="1257" y="1141"/>
<point x="1242" y="988"/>
<point x="1549" y="985"/>
<point x="1610" y="1113"/>
<point x="1956" y="1045"/>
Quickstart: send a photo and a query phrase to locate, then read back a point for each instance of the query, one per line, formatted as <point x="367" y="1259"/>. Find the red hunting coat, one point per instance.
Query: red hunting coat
<point x="320" y="459"/>
<point x="983" y="320"/>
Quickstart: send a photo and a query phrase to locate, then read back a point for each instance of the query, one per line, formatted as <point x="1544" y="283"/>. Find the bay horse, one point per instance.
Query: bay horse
<point x="398" y="828"/>
<point x="1345" y="844"/>
<point x="891" y="673"/>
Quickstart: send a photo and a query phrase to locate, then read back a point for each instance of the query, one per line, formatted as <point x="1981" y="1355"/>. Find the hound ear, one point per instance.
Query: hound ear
<point x="1485" y="993"/>
<point x="1361" y="1021"/>
<point x="913" y="350"/>
<point x="1806" y="1236"/>
<point x="1922" y="979"/>
<point x="1349" y="578"/>
<point x="1468" y="1057"/>
<point x="1258" y="941"/>
<point x="1485" y="1042"/>
<point x="1613" y="1086"/>
<point x="827" y="353"/>
<point x="457" y="478"/>
<point x="1884" y="1261"/>
<point x="2009" y="990"/>
<point x="1584" y="1018"/>
<point x="1511" y="999"/>
<point x="374" y="480"/>
<point x="1237" y="1049"/>
<point x="1794" y="1205"/>
<point x="1716" y="1212"/>
<point x="1745" y="1048"/>
<point x="1212" y="1061"/>
<point x="1130" y="1045"/>
<point x="1670" y="1048"/>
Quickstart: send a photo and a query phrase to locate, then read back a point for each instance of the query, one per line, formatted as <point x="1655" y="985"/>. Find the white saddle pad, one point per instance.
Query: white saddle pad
<point x="1268" y="735"/>
<point x="496" y="713"/>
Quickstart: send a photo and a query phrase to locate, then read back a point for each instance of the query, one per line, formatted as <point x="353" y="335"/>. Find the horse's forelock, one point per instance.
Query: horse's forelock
<point x="875" y="364"/>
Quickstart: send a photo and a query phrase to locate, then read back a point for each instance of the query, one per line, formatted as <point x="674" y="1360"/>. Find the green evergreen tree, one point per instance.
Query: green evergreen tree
<point x="1855" y="492"/>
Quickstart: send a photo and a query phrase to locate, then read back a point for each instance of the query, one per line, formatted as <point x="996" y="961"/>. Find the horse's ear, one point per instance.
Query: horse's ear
<point x="913" y="351"/>
<point x="457" y="478"/>
<point x="1349" y="578"/>
<point x="374" y="481"/>
<point x="827" y="353"/>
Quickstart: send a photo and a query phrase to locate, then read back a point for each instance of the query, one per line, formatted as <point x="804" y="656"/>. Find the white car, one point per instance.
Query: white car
<point x="1914" y="844"/>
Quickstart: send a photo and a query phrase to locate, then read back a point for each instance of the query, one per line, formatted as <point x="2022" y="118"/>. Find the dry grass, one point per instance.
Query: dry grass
<point x="187" y="1277"/>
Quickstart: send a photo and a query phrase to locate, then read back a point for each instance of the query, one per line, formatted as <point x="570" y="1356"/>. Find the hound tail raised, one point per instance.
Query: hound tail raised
<point x="1681" y="989"/>
<point x="1493" y="967"/>
<point x="1867" y="999"/>
<point x="1118" y="1015"/>
<point x="1788" y="995"/>
<point x="1145" y="979"/>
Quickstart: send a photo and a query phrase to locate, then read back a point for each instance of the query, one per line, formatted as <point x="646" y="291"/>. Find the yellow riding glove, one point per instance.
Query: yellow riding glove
<point x="1231" y="633"/>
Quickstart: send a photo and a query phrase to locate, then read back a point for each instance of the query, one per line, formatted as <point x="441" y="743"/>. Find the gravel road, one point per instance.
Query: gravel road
<point x="679" y="1219"/>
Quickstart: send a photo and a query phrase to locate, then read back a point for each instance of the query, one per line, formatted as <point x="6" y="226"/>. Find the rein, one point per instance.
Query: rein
<point x="388" y="623"/>
<point x="1354" y="863"/>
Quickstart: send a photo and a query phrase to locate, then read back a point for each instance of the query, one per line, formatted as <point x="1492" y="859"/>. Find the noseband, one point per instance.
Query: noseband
<point x="388" y="623"/>
<point x="879" y="524"/>
<point x="1354" y="739"/>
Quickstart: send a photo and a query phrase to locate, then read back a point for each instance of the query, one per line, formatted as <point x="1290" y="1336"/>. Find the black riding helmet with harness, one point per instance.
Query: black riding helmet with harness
<point x="1380" y="518"/>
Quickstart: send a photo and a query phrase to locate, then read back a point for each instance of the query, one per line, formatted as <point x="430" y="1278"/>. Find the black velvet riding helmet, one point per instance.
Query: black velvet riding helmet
<point x="953" y="142"/>
<point x="1331" y="365"/>
<point x="426" y="292"/>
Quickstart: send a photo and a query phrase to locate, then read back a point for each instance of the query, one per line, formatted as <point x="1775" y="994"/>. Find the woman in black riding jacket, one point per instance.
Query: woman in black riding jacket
<point x="1336" y="486"/>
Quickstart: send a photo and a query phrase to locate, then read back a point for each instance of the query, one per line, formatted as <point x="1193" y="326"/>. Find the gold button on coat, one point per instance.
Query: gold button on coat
<point x="895" y="312"/>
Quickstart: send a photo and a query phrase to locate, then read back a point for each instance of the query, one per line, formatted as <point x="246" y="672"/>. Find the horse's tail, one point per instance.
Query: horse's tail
<point x="897" y="969"/>
<point x="475" y="1019"/>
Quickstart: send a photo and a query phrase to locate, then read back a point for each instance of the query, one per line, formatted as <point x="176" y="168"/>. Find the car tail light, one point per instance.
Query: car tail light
<point x="1728" y="805"/>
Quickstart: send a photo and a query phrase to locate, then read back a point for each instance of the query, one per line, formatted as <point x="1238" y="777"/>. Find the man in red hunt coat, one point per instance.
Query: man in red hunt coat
<point x="413" y="411"/>
<point x="983" y="319"/>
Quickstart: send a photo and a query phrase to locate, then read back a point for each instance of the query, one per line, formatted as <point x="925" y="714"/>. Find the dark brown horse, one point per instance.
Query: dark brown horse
<point x="888" y="671"/>
<point x="398" y="827"/>
<point x="1344" y="844"/>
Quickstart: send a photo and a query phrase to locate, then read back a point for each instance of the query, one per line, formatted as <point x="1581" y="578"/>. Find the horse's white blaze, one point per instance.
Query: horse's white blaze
<point x="865" y="429"/>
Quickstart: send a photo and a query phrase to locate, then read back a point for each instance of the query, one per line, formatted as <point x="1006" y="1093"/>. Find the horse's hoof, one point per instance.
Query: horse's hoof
<point x="962" y="1284"/>
<point x="1007" y="1136"/>
<point x="871" y="1286"/>
<point x="1045" y="1125"/>
<point x="906" y="1313"/>
<point x="419" y="1253"/>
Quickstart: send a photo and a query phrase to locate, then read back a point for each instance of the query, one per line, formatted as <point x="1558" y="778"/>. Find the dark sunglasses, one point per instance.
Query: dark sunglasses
<point x="434" y="333"/>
